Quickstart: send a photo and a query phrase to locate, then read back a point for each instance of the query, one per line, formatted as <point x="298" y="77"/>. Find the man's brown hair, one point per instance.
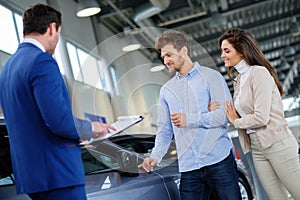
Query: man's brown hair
<point x="179" y="39"/>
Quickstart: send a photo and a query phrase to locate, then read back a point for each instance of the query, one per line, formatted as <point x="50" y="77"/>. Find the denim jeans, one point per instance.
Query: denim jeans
<point x="217" y="181"/>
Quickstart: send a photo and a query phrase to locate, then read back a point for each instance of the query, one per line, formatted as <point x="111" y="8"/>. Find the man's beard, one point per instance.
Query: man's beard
<point x="177" y="67"/>
<point x="171" y="70"/>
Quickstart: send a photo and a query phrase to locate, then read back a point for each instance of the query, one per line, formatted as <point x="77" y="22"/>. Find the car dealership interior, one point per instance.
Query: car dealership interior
<point x="111" y="68"/>
<point x="105" y="80"/>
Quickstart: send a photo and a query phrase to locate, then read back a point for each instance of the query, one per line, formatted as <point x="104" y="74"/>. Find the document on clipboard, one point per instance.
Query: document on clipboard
<point x="122" y="123"/>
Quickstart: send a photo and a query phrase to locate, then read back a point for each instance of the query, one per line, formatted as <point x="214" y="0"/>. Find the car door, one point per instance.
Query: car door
<point x="112" y="173"/>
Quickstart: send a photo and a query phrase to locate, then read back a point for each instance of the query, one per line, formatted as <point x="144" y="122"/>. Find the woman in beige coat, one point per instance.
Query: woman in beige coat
<point x="257" y="113"/>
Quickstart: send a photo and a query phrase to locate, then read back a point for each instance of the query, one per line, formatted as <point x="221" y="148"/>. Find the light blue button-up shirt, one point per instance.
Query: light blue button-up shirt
<point x="204" y="141"/>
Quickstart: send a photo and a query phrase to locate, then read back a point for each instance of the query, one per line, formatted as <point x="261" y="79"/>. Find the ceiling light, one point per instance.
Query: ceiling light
<point x="129" y="42"/>
<point x="86" y="8"/>
<point x="131" y="47"/>
<point x="157" y="64"/>
<point x="157" y="68"/>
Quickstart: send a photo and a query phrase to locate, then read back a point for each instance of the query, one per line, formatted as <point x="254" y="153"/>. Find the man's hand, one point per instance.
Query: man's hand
<point x="179" y="120"/>
<point x="213" y="105"/>
<point x="101" y="129"/>
<point x="148" y="164"/>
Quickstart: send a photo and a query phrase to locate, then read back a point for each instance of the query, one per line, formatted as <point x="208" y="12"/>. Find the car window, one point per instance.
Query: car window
<point x="145" y="147"/>
<point x="6" y="174"/>
<point x="96" y="162"/>
<point x="138" y="146"/>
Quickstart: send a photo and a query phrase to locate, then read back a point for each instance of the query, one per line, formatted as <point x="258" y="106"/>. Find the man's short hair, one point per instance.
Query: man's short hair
<point x="179" y="39"/>
<point x="38" y="18"/>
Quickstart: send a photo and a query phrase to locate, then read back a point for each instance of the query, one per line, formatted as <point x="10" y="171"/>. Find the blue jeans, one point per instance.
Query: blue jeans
<point x="217" y="181"/>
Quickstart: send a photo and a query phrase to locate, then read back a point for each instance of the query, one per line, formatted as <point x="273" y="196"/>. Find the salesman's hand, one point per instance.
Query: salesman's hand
<point x="148" y="164"/>
<point x="101" y="129"/>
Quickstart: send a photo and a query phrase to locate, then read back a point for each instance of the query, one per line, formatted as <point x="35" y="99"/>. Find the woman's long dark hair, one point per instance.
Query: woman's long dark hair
<point x="244" y="43"/>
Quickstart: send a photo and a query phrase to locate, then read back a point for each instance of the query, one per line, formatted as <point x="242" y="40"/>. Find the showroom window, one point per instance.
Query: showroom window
<point x="8" y="36"/>
<point x="89" y="69"/>
<point x="73" y="55"/>
<point x="115" y="81"/>
<point x="19" y="24"/>
<point x="291" y="103"/>
<point x="57" y="57"/>
<point x="12" y="34"/>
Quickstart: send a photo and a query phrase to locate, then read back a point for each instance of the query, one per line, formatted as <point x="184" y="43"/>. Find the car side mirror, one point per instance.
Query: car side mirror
<point x="129" y="163"/>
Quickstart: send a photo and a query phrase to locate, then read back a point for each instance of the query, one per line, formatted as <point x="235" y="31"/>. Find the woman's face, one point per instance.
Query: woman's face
<point x="230" y="56"/>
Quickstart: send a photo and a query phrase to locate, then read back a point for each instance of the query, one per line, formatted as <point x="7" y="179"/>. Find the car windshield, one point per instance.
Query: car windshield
<point x="95" y="162"/>
<point x="144" y="145"/>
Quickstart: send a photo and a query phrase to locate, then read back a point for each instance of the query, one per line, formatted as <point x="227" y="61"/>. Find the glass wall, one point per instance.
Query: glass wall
<point x="89" y="69"/>
<point x="86" y="68"/>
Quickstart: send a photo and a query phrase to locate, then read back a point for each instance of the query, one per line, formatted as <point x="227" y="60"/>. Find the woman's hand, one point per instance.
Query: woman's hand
<point x="231" y="112"/>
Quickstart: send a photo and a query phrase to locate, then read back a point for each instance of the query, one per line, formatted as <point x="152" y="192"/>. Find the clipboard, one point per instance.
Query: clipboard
<point x="122" y="123"/>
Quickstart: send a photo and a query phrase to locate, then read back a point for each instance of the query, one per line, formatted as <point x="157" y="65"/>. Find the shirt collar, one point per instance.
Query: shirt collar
<point x="34" y="42"/>
<point x="191" y="72"/>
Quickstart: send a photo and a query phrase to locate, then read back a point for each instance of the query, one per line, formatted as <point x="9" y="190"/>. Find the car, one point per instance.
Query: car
<point x="111" y="173"/>
<point x="143" y="144"/>
<point x="111" y="170"/>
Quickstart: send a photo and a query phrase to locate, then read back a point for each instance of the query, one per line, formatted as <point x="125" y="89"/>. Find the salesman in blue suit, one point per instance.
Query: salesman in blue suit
<point x="44" y="135"/>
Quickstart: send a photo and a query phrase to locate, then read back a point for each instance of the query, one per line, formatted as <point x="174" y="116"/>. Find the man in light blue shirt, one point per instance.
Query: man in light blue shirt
<point x="206" y="162"/>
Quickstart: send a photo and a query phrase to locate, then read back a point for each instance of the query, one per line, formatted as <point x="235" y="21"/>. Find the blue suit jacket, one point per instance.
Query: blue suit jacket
<point x="43" y="137"/>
